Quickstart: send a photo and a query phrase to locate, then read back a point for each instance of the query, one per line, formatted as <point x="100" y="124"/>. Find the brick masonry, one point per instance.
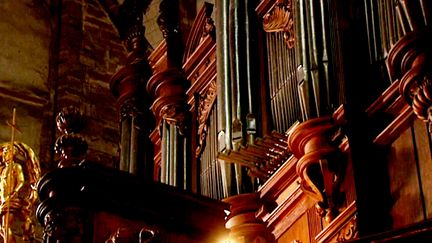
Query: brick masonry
<point x="90" y="52"/>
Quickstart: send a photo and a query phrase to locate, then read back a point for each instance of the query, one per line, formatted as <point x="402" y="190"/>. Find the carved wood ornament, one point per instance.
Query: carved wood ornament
<point x="205" y="106"/>
<point x="409" y="60"/>
<point x="70" y="146"/>
<point x="280" y="19"/>
<point x="315" y="144"/>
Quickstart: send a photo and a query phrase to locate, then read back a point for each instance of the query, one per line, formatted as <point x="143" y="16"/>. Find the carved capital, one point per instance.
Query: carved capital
<point x="280" y="19"/>
<point x="169" y="90"/>
<point x="319" y="162"/>
<point x="410" y="62"/>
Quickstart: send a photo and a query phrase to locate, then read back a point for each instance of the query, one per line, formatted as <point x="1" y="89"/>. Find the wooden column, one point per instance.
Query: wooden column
<point x="243" y="225"/>
<point x="128" y="86"/>
<point x="168" y="87"/>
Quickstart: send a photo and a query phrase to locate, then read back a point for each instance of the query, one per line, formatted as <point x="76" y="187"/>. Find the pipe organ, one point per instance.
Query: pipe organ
<point x="304" y="139"/>
<point x="282" y="81"/>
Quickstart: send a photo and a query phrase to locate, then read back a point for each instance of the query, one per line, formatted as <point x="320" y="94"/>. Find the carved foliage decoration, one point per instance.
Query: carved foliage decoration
<point x="280" y="19"/>
<point x="205" y="106"/>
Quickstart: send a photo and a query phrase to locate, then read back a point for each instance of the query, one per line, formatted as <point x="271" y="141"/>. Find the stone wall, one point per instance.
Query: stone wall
<point x="55" y="55"/>
<point x="90" y="52"/>
<point x="25" y="30"/>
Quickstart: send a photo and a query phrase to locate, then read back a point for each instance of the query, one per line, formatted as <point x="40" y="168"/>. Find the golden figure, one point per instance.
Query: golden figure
<point x="19" y="173"/>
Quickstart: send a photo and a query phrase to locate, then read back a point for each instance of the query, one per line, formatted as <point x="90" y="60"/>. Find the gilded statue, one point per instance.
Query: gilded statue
<point x="19" y="173"/>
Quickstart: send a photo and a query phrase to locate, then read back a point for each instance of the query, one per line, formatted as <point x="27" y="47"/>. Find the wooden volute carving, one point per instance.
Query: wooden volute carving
<point x="319" y="162"/>
<point x="280" y="19"/>
<point x="243" y="225"/>
<point x="410" y="60"/>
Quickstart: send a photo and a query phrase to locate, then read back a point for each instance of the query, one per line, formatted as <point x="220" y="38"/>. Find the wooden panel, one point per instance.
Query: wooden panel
<point x="425" y="162"/>
<point x="299" y="231"/>
<point x="404" y="184"/>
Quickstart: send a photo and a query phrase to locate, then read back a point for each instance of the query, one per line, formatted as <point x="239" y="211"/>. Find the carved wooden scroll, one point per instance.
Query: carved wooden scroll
<point x="410" y="59"/>
<point x="409" y="62"/>
<point x="280" y="19"/>
<point x="319" y="162"/>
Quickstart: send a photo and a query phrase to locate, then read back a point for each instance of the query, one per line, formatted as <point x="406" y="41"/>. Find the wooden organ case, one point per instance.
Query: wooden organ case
<point x="341" y="153"/>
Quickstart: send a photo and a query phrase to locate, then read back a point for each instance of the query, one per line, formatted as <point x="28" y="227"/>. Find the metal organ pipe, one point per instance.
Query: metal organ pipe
<point x="223" y="88"/>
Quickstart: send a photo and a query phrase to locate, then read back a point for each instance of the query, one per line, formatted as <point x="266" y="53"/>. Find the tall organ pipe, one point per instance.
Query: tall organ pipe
<point x="248" y="57"/>
<point x="223" y="88"/>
